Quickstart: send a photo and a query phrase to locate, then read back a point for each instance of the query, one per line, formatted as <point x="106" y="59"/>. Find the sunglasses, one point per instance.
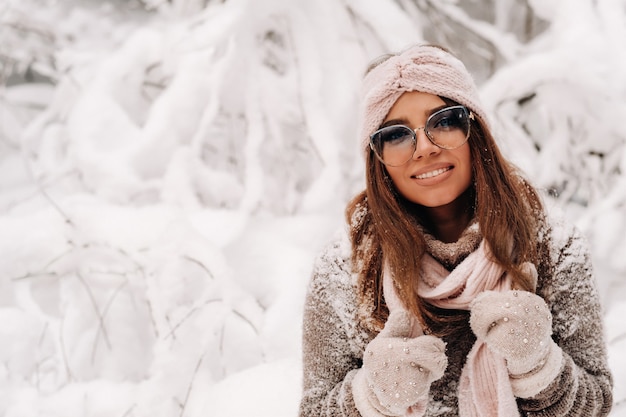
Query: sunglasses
<point x="447" y="128"/>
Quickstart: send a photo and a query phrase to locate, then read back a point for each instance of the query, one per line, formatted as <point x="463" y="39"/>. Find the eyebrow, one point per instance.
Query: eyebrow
<point x="405" y="122"/>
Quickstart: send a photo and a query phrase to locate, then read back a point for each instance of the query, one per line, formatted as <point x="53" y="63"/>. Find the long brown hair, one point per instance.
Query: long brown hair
<point x="385" y="226"/>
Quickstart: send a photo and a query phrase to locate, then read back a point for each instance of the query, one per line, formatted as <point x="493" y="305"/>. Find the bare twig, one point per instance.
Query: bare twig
<point x="244" y="318"/>
<point x="129" y="411"/>
<point x="104" y="313"/>
<point x="54" y="204"/>
<point x="152" y="319"/>
<point x="189" y="314"/>
<point x="29" y="275"/>
<point x="193" y="378"/>
<point x="200" y="264"/>
<point x="66" y="362"/>
<point x="96" y="310"/>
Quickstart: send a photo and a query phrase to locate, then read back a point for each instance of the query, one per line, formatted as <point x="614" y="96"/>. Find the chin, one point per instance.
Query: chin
<point x="437" y="201"/>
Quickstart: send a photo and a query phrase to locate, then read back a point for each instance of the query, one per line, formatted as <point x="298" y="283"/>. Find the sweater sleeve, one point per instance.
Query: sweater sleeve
<point x="584" y="385"/>
<point x="332" y="341"/>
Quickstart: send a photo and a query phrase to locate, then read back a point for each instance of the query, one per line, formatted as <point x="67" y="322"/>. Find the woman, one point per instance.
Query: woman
<point x="453" y="293"/>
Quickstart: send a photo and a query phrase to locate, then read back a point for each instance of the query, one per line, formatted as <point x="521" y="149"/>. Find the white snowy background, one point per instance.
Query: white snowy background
<point x="169" y="170"/>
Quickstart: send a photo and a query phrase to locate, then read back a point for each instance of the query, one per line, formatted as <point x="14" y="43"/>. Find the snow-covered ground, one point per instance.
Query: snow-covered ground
<point x="167" y="178"/>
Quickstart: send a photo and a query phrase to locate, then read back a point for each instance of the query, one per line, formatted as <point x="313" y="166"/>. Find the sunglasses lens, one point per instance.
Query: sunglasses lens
<point x="394" y="145"/>
<point x="449" y="128"/>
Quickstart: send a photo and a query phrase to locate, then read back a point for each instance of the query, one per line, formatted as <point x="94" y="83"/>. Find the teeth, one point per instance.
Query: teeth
<point x="432" y="173"/>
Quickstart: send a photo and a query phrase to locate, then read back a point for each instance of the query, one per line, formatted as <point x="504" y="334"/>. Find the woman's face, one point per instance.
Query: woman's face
<point x="433" y="177"/>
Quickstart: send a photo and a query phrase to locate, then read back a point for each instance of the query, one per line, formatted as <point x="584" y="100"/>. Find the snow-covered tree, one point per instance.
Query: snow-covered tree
<point x="169" y="169"/>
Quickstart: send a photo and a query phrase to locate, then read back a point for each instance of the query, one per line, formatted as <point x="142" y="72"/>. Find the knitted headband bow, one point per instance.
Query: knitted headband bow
<point x="423" y="68"/>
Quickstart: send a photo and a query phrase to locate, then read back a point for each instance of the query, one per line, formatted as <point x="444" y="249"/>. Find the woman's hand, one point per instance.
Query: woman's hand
<point x="397" y="369"/>
<point x="516" y="325"/>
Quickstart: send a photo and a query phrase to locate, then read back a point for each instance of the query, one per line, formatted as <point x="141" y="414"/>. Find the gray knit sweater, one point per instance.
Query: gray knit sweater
<point x="334" y="337"/>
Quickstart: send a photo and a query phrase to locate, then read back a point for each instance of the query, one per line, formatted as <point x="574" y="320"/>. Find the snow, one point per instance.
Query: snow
<point x="279" y="395"/>
<point x="171" y="170"/>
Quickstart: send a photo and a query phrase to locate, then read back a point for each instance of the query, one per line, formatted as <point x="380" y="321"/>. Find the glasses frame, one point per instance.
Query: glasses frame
<point x="470" y="116"/>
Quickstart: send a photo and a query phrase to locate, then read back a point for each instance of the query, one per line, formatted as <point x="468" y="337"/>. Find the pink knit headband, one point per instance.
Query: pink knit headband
<point x="420" y="68"/>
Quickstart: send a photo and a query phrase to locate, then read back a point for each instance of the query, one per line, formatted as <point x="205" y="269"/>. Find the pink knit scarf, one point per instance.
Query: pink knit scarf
<point x="484" y="388"/>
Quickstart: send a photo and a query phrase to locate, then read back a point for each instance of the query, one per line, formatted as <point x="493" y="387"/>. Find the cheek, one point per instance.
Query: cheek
<point x="395" y="174"/>
<point x="468" y="176"/>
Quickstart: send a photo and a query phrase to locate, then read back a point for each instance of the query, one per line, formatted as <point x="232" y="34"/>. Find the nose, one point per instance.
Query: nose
<point x="423" y="146"/>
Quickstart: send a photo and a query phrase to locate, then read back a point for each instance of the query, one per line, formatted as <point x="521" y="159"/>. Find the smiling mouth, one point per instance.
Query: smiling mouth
<point x="432" y="173"/>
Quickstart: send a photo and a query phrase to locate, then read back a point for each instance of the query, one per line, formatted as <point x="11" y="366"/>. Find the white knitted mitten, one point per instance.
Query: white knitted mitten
<point x="398" y="370"/>
<point x="518" y="326"/>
